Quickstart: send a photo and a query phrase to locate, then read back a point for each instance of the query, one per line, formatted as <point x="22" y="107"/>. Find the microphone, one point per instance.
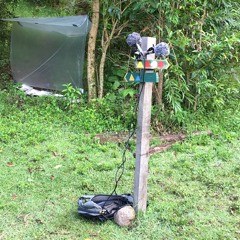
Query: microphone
<point x="162" y="50"/>
<point x="133" y="39"/>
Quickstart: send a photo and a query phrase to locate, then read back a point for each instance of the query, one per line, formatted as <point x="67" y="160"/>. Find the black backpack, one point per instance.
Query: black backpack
<point x="102" y="207"/>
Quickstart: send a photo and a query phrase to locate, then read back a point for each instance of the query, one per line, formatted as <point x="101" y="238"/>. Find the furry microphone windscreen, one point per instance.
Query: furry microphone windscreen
<point x="162" y="49"/>
<point x="133" y="39"/>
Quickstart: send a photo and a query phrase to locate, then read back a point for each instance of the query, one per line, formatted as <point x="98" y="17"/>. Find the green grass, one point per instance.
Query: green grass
<point x="48" y="159"/>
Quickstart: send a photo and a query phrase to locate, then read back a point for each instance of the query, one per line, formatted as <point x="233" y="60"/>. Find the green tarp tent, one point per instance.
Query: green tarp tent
<point x="49" y="52"/>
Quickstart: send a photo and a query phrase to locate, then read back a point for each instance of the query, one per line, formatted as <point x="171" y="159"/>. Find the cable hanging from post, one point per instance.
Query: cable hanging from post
<point x="134" y="40"/>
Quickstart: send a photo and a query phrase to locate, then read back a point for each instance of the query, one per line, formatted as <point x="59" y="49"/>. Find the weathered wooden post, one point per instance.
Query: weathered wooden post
<point x="143" y="135"/>
<point x="146" y="77"/>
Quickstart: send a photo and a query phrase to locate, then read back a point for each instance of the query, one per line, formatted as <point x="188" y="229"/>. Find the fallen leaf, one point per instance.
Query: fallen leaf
<point x="25" y="218"/>
<point x="10" y="165"/>
<point x="14" y="196"/>
<point x="58" y="166"/>
<point x="55" y="153"/>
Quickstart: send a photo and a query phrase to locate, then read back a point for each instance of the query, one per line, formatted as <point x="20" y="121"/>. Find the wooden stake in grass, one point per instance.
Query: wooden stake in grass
<point x="143" y="136"/>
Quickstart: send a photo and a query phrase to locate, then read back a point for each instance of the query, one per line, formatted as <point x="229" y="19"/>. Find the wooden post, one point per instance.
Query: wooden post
<point x="143" y="136"/>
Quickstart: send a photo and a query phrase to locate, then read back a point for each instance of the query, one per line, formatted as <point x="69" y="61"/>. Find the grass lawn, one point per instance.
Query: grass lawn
<point x="47" y="161"/>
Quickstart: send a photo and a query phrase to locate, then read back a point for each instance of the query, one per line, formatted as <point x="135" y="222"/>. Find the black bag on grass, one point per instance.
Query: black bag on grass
<point x="102" y="207"/>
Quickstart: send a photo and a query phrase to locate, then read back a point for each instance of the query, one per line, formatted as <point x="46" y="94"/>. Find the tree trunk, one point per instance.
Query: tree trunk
<point x="101" y="69"/>
<point x="106" y="40"/>
<point x="91" y="78"/>
<point x="159" y="92"/>
<point x="107" y="36"/>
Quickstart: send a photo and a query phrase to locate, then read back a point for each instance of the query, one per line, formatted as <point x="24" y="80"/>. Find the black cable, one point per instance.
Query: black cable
<point x="131" y="132"/>
<point x="120" y="170"/>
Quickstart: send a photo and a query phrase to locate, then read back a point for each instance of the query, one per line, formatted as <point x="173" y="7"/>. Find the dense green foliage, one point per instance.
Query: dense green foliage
<point x="6" y="11"/>
<point x="204" y="39"/>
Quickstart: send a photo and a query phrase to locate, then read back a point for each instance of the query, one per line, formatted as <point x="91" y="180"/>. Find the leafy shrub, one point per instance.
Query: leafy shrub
<point x="204" y="40"/>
